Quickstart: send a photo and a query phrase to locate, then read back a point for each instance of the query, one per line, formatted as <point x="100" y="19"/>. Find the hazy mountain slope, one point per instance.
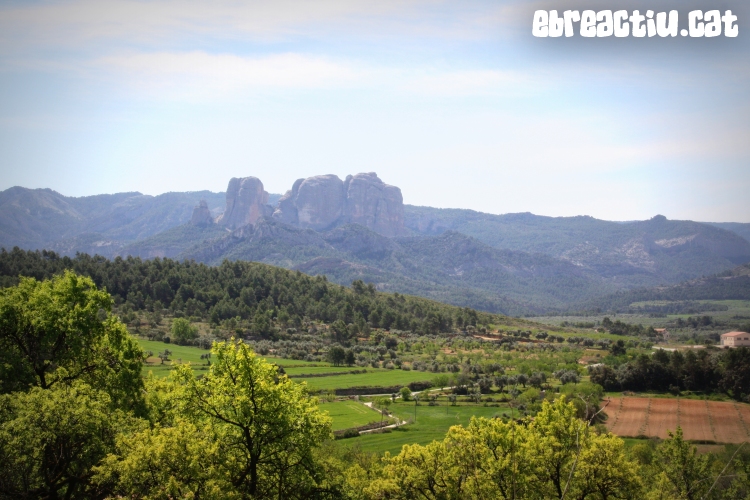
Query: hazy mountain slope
<point x="651" y="252"/>
<point x="507" y="263"/>
<point x="729" y="285"/>
<point x="172" y="242"/>
<point x="34" y="218"/>
<point x="268" y="241"/>
<point x="740" y="228"/>
<point x="450" y="267"/>
<point x="535" y="278"/>
<point x="42" y="218"/>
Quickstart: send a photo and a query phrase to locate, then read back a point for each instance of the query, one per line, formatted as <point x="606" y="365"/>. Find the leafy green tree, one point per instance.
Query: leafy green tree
<point x="50" y="440"/>
<point x="175" y="461"/>
<point x="604" y="470"/>
<point x="336" y="355"/>
<point x="684" y="473"/>
<point x="261" y="324"/>
<point x="736" y="378"/>
<point x="339" y="332"/>
<point x="553" y="456"/>
<point x="349" y="358"/>
<point x="557" y="438"/>
<point x="61" y="330"/>
<point x="617" y="348"/>
<point x="487" y="454"/>
<point x="266" y="426"/>
<point x="182" y="330"/>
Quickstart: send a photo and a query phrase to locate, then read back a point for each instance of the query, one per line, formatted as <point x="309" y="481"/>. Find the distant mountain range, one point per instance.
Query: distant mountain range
<point x="359" y="228"/>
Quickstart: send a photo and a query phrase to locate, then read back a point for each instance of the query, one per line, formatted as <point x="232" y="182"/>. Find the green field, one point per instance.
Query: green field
<point x="348" y="414"/>
<point x="192" y="355"/>
<point x="304" y="370"/>
<point x="371" y="378"/>
<point x="432" y="423"/>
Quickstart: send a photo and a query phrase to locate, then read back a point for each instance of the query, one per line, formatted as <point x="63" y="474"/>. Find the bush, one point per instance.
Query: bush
<point x="183" y="331"/>
<point x="405" y="394"/>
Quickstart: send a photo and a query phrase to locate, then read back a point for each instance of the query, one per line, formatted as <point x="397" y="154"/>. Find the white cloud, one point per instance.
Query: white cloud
<point x="202" y="74"/>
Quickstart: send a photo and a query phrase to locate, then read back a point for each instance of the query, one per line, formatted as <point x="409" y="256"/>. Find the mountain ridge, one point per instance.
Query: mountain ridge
<point x="513" y="263"/>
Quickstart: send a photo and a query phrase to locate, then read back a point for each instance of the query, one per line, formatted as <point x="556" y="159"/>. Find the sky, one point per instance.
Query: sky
<point x="454" y="102"/>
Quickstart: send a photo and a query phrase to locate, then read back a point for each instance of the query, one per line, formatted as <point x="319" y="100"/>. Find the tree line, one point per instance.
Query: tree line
<point x="703" y="370"/>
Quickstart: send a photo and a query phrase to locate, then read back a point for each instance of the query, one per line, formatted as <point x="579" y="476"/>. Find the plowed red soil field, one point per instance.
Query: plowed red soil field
<point x="700" y="420"/>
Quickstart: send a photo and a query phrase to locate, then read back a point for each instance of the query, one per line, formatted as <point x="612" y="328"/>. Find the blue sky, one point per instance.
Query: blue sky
<point x="454" y="102"/>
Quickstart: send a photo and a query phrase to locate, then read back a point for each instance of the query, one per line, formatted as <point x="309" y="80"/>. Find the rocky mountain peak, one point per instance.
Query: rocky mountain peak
<point x="374" y="204"/>
<point x="201" y="215"/>
<point x="246" y="202"/>
<point x="313" y="203"/>
<point x="325" y="201"/>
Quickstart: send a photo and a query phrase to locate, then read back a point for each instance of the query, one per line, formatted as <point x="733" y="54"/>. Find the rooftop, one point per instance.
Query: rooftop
<point x="734" y="334"/>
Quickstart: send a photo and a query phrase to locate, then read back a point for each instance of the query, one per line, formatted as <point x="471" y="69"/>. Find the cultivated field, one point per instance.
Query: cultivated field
<point x="339" y="377"/>
<point x="373" y="377"/>
<point x="347" y="414"/>
<point x="432" y="423"/>
<point x="700" y="420"/>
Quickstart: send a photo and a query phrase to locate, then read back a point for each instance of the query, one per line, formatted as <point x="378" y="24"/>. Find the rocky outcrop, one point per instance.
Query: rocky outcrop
<point x="246" y="203"/>
<point x="201" y="215"/>
<point x="325" y="201"/>
<point x="374" y="204"/>
<point x="313" y="203"/>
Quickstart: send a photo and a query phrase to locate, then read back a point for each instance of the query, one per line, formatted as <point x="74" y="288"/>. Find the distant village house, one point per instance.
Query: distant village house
<point x="735" y="339"/>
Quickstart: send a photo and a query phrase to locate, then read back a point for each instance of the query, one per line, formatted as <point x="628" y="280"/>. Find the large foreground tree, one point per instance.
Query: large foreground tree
<point x="61" y="330"/>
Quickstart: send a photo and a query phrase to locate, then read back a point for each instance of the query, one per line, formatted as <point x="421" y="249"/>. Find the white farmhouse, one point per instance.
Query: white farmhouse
<point x="735" y="339"/>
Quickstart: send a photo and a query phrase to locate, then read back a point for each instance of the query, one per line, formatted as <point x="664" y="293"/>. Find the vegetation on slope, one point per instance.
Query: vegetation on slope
<point x="250" y="292"/>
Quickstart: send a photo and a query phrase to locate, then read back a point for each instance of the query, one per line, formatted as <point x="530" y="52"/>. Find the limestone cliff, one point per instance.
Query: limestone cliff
<point x="325" y="201"/>
<point x="374" y="204"/>
<point x="246" y="203"/>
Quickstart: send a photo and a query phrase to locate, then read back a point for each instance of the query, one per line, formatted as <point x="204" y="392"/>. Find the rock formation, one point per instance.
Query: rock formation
<point x="313" y="203"/>
<point x="374" y="204"/>
<point x="325" y="201"/>
<point x="201" y="215"/>
<point x="246" y="203"/>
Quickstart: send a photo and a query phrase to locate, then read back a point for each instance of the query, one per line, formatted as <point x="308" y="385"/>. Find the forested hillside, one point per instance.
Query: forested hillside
<point x="252" y="292"/>
<point x="450" y="267"/>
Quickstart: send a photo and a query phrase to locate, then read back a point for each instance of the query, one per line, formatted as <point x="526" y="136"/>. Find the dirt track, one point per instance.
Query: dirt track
<point x="700" y="420"/>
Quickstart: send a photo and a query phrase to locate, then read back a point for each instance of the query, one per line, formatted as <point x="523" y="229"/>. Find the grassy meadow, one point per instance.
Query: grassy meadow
<point x="347" y="414"/>
<point x="432" y="422"/>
